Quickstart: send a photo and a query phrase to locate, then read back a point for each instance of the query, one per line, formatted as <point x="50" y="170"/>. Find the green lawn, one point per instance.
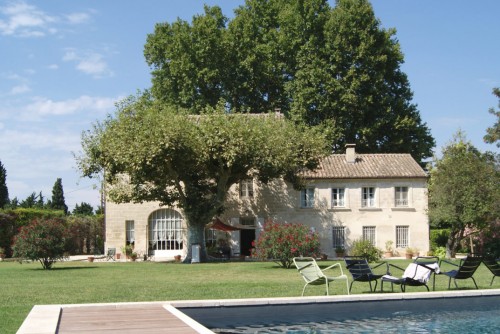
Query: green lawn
<point x="23" y="286"/>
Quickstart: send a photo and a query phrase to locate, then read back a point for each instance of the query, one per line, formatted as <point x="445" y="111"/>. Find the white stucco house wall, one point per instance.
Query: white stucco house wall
<point x="379" y="197"/>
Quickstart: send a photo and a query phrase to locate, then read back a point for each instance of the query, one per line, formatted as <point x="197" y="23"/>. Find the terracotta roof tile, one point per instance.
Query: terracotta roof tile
<point x="370" y="166"/>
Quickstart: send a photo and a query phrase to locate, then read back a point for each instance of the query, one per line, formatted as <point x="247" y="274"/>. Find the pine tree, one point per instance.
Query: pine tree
<point x="58" y="202"/>
<point x="4" y="192"/>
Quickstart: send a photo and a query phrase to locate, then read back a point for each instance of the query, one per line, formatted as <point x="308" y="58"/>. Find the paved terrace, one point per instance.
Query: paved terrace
<point x="163" y="317"/>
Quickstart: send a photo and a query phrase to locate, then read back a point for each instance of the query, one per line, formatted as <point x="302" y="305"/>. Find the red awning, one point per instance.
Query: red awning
<point x="217" y="224"/>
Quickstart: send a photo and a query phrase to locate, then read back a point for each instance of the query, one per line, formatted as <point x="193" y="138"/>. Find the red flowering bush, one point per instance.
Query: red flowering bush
<point x="41" y="240"/>
<point x="282" y="242"/>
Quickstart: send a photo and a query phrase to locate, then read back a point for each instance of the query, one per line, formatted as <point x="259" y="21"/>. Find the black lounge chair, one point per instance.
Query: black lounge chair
<point x="361" y="271"/>
<point x="416" y="274"/>
<point x="465" y="269"/>
<point x="493" y="266"/>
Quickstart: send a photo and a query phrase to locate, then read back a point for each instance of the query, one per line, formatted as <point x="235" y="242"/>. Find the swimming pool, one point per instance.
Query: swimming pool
<point x="458" y="312"/>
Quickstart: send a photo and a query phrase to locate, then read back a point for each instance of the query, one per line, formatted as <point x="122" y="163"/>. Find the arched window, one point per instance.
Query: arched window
<point x="165" y="230"/>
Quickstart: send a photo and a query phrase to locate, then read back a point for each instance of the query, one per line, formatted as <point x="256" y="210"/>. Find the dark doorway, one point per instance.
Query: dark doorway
<point x="246" y="239"/>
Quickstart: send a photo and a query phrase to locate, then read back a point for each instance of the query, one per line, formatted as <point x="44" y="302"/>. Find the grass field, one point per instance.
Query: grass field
<point x="26" y="285"/>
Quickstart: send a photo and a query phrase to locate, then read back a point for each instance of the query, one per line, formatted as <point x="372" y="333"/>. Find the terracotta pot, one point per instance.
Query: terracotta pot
<point x="118" y="256"/>
<point x="177" y="258"/>
<point x="387" y="255"/>
<point x="409" y="256"/>
<point x="90" y="258"/>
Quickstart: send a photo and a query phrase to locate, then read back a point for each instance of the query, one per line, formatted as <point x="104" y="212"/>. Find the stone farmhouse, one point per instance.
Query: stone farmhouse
<point x="378" y="197"/>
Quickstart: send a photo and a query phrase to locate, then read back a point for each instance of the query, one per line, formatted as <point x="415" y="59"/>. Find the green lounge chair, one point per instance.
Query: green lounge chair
<point x="314" y="275"/>
<point x="465" y="269"/>
<point x="111" y="254"/>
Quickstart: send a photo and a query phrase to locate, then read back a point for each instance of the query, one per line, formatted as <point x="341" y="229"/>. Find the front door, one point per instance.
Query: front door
<point x="246" y="239"/>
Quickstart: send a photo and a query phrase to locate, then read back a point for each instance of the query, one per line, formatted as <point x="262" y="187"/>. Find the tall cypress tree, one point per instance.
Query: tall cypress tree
<point x="4" y="192"/>
<point x="58" y="202"/>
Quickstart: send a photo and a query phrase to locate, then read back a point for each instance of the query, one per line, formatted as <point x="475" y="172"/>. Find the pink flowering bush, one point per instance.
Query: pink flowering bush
<point x="41" y="240"/>
<point x="281" y="242"/>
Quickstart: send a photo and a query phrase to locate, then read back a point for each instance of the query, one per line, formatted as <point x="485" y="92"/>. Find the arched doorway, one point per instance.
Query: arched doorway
<point x="166" y="233"/>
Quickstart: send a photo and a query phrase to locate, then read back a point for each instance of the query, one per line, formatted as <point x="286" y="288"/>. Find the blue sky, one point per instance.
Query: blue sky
<point x="65" y="63"/>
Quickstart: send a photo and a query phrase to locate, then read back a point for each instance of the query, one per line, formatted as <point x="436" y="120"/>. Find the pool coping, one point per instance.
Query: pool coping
<point x="44" y="319"/>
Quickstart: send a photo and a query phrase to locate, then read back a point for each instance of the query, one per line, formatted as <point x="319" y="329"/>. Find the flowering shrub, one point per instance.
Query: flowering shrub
<point x="283" y="242"/>
<point x="41" y="240"/>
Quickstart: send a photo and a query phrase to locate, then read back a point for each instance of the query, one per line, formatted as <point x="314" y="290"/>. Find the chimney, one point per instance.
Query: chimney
<point x="350" y="153"/>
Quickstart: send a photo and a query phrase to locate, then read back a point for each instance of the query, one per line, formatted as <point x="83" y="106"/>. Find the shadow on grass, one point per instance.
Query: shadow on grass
<point x="64" y="268"/>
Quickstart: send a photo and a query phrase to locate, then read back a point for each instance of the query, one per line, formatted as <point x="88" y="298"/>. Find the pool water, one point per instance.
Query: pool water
<point x="401" y="322"/>
<point x="439" y="315"/>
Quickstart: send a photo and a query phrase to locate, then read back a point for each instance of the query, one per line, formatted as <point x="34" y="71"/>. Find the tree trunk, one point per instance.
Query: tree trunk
<point x="452" y="244"/>
<point x="195" y="235"/>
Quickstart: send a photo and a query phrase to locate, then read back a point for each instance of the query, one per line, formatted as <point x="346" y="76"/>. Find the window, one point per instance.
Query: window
<point x="338" y="236"/>
<point x="129" y="232"/>
<point x="401" y="196"/>
<point x="307" y="198"/>
<point x="210" y="238"/>
<point x="247" y="221"/>
<point x="165" y="230"/>
<point x="402" y="236"/>
<point x="338" y="197"/>
<point x="369" y="234"/>
<point x="246" y="188"/>
<point x="368" y="199"/>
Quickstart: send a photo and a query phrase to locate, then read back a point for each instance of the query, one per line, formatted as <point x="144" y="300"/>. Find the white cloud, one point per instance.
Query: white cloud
<point x="53" y="67"/>
<point x="45" y="106"/>
<point x="24" y="20"/>
<point x="20" y="89"/>
<point x="20" y="19"/>
<point x="41" y="138"/>
<point x="89" y="62"/>
<point x="78" y="18"/>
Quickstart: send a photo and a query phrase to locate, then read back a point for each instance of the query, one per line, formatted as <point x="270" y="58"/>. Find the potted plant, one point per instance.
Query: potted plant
<point x="2" y="253"/>
<point x="128" y="250"/>
<point x="90" y="258"/>
<point x="409" y="253"/>
<point x="340" y="251"/>
<point x="177" y="258"/>
<point x="388" y="249"/>
<point x="133" y="256"/>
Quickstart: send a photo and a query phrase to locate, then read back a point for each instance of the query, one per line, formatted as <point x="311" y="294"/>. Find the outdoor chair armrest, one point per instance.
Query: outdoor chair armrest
<point x="380" y="264"/>
<point x="449" y="262"/>
<point x="334" y="265"/>
<point x="393" y="265"/>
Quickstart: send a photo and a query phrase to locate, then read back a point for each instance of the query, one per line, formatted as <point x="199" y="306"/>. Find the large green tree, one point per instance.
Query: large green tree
<point x="463" y="191"/>
<point x="152" y="152"/>
<point x="493" y="132"/>
<point x="354" y="86"/>
<point x="4" y="191"/>
<point x="58" y="202"/>
<point x="335" y="67"/>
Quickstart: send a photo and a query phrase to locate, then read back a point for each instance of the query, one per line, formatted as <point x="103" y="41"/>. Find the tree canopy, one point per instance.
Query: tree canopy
<point x="334" y="67"/>
<point x="154" y="152"/>
<point x="83" y="209"/>
<point x="493" y="133"/>
<point x="463" y="190"/>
